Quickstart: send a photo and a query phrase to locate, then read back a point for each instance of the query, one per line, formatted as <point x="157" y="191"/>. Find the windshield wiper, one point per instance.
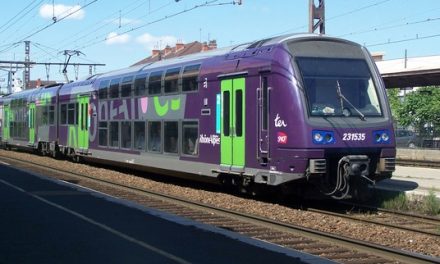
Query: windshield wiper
<point x="342" y="97"/>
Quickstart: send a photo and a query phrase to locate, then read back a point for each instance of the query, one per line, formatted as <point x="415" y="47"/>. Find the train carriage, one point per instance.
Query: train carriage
<point x="19" y="119"/>
<point x="276" y="112"/>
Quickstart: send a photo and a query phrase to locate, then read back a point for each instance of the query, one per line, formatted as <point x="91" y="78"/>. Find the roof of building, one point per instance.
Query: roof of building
<point x="410" y="72"/>
<point x="177" y="51"/>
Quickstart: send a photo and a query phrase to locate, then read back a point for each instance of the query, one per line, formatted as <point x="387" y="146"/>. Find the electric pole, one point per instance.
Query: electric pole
<point x="316" y="16"/>
<point x="27" y="66"/>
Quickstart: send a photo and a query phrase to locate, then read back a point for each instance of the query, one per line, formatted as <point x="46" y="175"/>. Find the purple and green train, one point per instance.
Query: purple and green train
<point x="284" y="111"/>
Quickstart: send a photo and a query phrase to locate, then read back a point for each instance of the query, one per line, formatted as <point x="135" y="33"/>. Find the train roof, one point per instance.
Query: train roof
<point x="222" y="51"/>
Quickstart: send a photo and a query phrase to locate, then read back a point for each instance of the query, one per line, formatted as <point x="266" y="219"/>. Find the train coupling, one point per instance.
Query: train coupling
<point x="358" y="165"/>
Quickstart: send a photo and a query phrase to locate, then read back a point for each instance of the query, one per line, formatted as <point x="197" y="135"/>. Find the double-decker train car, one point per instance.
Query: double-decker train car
<point x="281" y="111"/>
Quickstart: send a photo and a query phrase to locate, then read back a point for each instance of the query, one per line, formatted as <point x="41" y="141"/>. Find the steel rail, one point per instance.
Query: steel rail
<point x="358" y="245"/>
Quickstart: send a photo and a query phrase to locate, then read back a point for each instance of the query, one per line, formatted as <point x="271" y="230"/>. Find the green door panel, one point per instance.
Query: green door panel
<point x="232" y="120"/>
<point x="31" y="123"/>
<point x="226" y="124"/>
<point x="6" y="122"/>
<point x="83" y="122"/>
<point x="238" y="159"/>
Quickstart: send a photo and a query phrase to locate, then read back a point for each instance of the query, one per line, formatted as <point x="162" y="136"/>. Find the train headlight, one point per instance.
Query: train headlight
<point x="317" y="137"/>
<point x="381" y="136"/>
<point x="385" y="137"/>
<point x="323" y="137"/>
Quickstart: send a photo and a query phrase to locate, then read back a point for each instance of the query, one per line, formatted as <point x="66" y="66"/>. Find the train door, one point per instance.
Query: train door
<point x="232" y="137"/>
<point x="6" y="122"/>
<point x="83" y="122"/>
<point x="31" y="123"/>
<point x="263" y="119"/>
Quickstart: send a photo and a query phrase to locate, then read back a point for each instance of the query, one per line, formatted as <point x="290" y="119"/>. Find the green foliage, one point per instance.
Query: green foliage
<point x="417" y="109"/>
<point x="431" y="204"/>
<point x="393" y="98"/>
<point x="398" y="203"/>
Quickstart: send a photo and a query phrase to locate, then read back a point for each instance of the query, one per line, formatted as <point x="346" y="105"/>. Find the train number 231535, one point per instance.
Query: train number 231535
<point x="353" y="136"/>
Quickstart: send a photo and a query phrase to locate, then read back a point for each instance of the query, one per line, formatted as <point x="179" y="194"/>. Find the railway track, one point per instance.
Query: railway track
<point x="418" y="163"/>
<point x="326" y="245"/>
<point x="403" y="221"/>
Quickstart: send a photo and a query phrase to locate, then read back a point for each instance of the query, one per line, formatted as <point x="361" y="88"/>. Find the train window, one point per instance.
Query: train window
<point x="63" y="114"/>
<point x="126" y="134"/>
<point x="171" y="80"/>
<point x="190" y="78"/>
<point x="103" y="89"/>
<point x="239" y="113"/>
<point x="327" y="80"/>
<point x="140" y="85"/>
<point x="114" y="134"/>
<point x="71" y="114"/>
<point x="126" y="86"/>
<point x="114" y="88"/>
<point x="265" y="102"/>
<point x="190" y="132"/>
<point x="171" y="137"/>
<point x="44" y="115"/>
<point x="139" y="135"/>
<point x="103" y="132"/>
<point x="154" y="83"/>
<point x="226" y="114"/>
<point x="154" y="136"/>
<point x="51" y="114"/>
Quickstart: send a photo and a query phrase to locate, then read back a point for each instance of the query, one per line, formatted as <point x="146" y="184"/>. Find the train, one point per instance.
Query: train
<point x="287" y="111"/>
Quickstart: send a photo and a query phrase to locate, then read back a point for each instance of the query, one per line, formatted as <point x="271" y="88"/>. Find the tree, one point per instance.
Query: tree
<point x="393" y="98"/>
<point x="421" y="109"/>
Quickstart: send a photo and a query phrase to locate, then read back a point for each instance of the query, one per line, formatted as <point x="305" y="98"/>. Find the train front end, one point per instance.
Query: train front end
<point x="348" y="126"/>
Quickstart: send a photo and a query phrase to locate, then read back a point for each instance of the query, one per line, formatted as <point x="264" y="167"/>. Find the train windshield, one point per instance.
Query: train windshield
<point x="339" y="87"/>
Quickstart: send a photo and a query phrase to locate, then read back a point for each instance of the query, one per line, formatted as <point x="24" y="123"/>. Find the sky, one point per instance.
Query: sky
<point x="120" y="33"/>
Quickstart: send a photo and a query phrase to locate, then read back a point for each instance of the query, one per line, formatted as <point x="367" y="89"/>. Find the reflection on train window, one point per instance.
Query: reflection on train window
<point x="154" y="83"/>
<point x="103" y="89"/>
<point x="103" y="132"/>
<point x="51" y="115"/>
<point x="171" y="137"/>
<point x="154" y="136"/>
<point x="44" y="116"/>
<point x="114" y="134"/>
<point x="171" y="80"/>
<point x="190" y="132"/>
<point x="126" y="86"/>
<point x="239" y="113"/>
<point x="63" y="114"/>
<point x="226" y="124"/>
<point x="190" y="78"/>
<point x="71" y="114"/>
<point x="140" y="85"/>
<point x="114" y="88"/>
<point x="326" y="80"/>
<point x="139" y="135"/>
<point x="126" y="134"/>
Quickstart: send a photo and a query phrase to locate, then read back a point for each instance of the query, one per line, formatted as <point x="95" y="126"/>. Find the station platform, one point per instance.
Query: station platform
<point x="48" y="221"/>
<point x="413" y="180"/>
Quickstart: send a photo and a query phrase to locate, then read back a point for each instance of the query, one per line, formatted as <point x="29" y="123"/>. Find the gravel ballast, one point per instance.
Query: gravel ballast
<point x="392" y="237"/>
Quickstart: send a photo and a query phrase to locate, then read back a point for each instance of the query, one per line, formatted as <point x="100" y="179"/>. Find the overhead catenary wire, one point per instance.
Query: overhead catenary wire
<point x="95" y="37"/>
<point x="376" y="29"/>
<point x="333" y="17"/>
<point x="105" y="21"/>
<point x="19" y="15"/>
<point x="24" y="21"/>
<point x="417" y="37"/>
<point x="206" y="4"/>
<point x="58" y="20"/>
